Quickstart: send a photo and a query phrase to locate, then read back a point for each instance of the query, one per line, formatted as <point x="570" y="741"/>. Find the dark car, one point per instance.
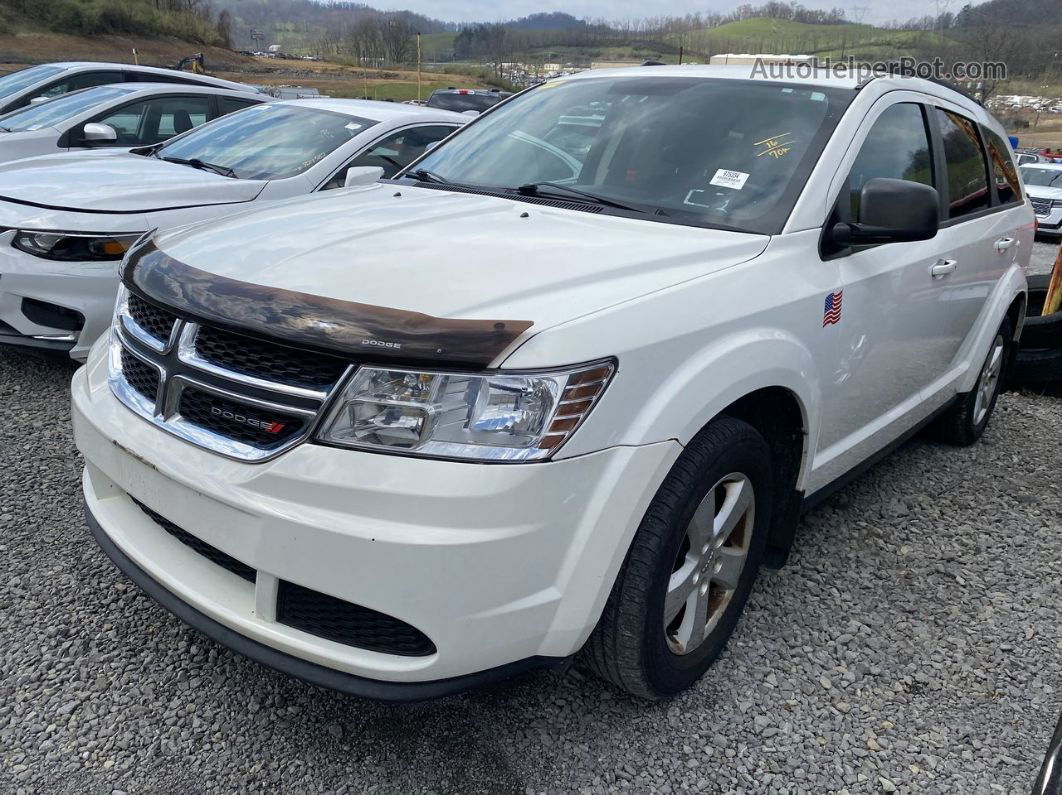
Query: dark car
<point x="461" y="100"/>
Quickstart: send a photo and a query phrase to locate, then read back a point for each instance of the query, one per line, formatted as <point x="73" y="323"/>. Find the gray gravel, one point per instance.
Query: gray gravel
<point x="913" y="644"/>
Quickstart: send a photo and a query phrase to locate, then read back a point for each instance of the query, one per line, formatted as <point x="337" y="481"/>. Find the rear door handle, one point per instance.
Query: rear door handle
<point x="942" y="267"/>
<point x="1004" y="243"/>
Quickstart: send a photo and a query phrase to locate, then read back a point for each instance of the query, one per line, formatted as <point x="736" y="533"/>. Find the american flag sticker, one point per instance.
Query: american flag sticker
<point x="831" y="311"/>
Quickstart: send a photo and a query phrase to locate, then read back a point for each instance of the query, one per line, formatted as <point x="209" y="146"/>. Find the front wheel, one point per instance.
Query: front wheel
<point x="690" y="567"/>
<point x="965" y="422"/>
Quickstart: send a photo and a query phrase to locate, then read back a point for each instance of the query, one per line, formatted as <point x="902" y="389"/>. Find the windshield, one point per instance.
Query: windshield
<point x="1043" y="177"/>
<point x="697" y="151"/>
<point x="47" y="114"/>
<point x="24" y="78"/>
<point x="267" y="141"/>
<point x="459" y="103"/>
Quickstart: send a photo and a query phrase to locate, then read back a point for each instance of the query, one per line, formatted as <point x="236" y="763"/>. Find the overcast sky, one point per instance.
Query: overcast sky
<point x="493" y="10"/>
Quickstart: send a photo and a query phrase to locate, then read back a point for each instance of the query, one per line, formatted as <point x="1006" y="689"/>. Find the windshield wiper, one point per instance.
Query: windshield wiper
<point x="424" y="175"/>
<point x="535" y="189"/>
<point x="202" y="165"/>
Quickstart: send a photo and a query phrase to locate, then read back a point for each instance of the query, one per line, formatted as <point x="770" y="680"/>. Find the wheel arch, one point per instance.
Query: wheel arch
<point x="779" y="416"/>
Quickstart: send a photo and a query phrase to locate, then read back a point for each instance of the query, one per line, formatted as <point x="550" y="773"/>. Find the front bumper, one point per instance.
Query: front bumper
<point x="497" y="564"/>
<point x="82" y="291"/>
<point x="1050" y="224"/>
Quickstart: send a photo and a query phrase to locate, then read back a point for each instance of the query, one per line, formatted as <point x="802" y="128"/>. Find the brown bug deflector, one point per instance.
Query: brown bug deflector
<point x="299" y="319"/>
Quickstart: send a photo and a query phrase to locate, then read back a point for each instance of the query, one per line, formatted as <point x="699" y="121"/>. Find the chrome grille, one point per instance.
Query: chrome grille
<point x="239" y="396"/>
<point x="1040" y="206"/>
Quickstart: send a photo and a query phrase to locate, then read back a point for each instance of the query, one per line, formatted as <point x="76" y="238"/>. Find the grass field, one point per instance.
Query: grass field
<point x="761" y="34"/>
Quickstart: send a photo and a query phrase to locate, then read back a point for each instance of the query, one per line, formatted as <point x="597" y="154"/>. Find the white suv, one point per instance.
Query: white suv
<point x="495" y="414"/>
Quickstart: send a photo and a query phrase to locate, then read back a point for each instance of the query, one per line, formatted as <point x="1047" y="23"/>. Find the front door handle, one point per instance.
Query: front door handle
<point x="942" y="267"/>
<point x="1004" y="243"/>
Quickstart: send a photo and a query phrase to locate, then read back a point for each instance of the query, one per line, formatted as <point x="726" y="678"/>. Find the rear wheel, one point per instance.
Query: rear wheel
<point x="691" y="565"/>
<point x="965" y="422"/>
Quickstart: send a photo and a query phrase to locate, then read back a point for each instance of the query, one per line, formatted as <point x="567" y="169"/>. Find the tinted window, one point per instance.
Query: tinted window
<point x="50" y="113"/>
<point x="78" y="81"/>
<point x="152" y="120"/>
<point x="690" y="150"/>
<point x="896" y="147"/>
<point x="965" y="162"/>
<point x="24" y="78"/>
<point x="394" y="152"/>
<point x="1008" y="186"/>
<point x="230" y="104"/>
<point x="153" y="77"/>
<point x="462" y="102"/>
<point x="269" y="141"/>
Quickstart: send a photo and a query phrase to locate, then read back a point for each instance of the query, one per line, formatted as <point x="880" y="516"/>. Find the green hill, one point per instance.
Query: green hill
<point x="763" y="34"/>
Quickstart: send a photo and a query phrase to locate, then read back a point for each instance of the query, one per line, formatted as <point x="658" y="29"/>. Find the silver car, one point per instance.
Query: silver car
<point x="20" y="88"/>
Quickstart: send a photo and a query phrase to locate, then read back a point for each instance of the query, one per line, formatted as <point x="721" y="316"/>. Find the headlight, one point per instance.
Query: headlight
<point x="73" y="246"/>
<point x="495" y="416"/>
<point x="1056" y="202"/>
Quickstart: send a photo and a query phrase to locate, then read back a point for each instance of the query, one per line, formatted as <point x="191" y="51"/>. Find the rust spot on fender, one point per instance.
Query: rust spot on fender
<point x="362" y="331"/>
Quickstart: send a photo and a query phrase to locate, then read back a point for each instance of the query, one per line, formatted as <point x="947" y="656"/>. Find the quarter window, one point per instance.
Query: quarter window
<point x="1008" y="186"/>
<point x="965" y="162"/>
<point x="897" y="147"/>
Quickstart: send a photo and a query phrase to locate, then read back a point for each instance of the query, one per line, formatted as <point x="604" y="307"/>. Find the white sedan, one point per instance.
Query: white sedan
<point x="37" y="83"/>
<point x="126" y="115"/>
<point x="67" y="219"/>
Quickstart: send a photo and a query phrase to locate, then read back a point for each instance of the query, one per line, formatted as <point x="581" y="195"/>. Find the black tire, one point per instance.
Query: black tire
<point x="963" y="423"/>
<point x="1037" y="367"/>
<point x="1040" y="332"/>
<point x="629" y="647"/>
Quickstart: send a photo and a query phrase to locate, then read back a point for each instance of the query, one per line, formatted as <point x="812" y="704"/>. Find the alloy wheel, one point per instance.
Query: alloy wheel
<point x="709" y="564"/>
<point x="988" y="383"/>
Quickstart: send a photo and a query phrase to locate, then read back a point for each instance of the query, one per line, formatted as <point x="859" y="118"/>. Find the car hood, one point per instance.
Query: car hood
<point x="1043" y="192"/>
<point x="448" y="255"/>
<point x="118" y="182"/>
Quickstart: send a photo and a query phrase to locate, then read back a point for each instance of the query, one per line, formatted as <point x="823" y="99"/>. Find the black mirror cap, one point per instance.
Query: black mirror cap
<point x="892" y="211"/>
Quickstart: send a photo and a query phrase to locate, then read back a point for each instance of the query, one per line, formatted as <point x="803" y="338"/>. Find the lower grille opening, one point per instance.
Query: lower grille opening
<point x="140" y="375"/>
<point x="213" y="554"/>
<point x="52" y="315"/>
<point x="347" y="623"/>
<point x="254" y="426"/>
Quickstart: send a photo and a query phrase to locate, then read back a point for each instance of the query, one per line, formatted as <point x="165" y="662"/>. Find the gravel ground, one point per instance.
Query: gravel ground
<point x="913" y="644"/>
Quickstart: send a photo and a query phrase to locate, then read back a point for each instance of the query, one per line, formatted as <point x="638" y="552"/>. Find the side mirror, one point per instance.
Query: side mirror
<point x="470" y="112"/>
<point x="362" y="175"/>
<point x="38" y="100"/>
<point x="892" y="211"/>
<point x="431" y="146"/>
<point x="99" y="134"/>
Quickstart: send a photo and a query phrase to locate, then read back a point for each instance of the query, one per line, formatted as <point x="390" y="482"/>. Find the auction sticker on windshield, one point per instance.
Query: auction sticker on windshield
<point x="729" y="179"/>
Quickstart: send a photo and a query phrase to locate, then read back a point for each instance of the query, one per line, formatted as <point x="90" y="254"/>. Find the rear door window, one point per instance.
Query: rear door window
<point x="964" y="159"/>
<point x="230" y="104"/>
<point x="1005" y="175"/>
